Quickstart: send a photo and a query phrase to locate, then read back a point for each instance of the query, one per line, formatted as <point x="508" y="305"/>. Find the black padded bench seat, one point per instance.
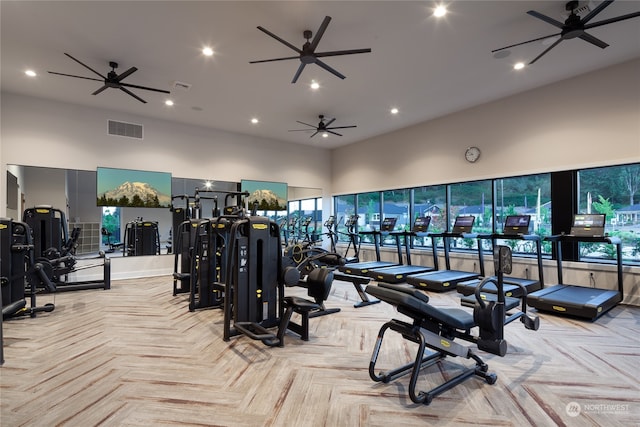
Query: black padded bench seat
<point x="417" y="303"/>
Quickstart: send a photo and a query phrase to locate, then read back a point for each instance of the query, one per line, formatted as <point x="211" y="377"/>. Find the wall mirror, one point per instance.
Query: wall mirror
<point x="74" y="192"/>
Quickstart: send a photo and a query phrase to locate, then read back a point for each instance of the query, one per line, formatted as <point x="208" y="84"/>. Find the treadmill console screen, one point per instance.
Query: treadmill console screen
<point x="463" y="224"/>
<point x="588" y="225"/>
<point x="421" y="224"/>
<point x="388" y="224"/>
<point x="517" y="224"/>
<point x="589" y="220"/>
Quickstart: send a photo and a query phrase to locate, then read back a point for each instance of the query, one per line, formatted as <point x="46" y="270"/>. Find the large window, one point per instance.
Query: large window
<point x="304" y="221"/>
<point x="369" y="214"/>
<point x="471" y="198"/>
<point x="612" y="191"/>
<point x="430" y="201"/>
<point x="344" y="208"/>
<point x="525" y="195"/>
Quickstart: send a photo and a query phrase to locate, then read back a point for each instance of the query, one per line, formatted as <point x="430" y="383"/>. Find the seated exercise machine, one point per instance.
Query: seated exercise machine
<point x="516" y="228"/>
<point x="54" y="251"/>
<point x="436" y="328"/>
<point x="575" y="300"/>
<point x="309" y="255"/>
<point x="254" y="299"/>
<point x="446" y="280"/>
<point x="19" y="273"/>
<point x="399" y="273"/>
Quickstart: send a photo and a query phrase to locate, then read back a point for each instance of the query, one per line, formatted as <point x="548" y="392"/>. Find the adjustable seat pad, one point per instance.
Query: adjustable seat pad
<point x="417" y="303"/>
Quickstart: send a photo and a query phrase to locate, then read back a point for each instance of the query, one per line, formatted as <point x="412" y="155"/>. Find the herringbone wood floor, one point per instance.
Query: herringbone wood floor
<point x="135" y="356"/>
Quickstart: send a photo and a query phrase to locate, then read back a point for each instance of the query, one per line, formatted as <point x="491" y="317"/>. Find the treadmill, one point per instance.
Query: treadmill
<point x="446" y="280"/>
<point x="361" y="268"/>
<point x="575" y="300"/>
<point x="399" y="273"/>
<point x="516" y="227"/>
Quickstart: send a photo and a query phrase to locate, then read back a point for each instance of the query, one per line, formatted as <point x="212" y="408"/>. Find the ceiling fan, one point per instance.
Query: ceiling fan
<point x="308" y="55"/>
<point x="321" y="127"/>
<point x="574" y="26"/>
<point x="112" y="80"/>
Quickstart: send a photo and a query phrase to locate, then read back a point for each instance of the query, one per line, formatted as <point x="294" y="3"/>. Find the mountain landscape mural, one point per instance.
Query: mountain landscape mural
<point x="131" y="188"/>
<point x="135" y="194"/>
<point x="270" y="196"/>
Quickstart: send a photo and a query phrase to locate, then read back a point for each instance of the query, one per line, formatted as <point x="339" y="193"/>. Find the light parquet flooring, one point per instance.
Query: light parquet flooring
<point x="135" y="356"/>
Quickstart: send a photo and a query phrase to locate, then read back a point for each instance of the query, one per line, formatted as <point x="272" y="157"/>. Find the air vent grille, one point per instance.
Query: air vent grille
<point x="129" y="130"/>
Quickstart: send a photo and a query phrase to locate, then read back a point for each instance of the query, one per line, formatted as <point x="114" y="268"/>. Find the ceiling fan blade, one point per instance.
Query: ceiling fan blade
<point x="320" y="33"/>
<point x="86" y="66"/>
<point x="300" y="130"/>
<point x="528" y="41"/>
<point x="300" y="68"/>
<point x="596" y="11"/>
<point x="100" y="90"/>
<point x="341" y="52"/>
<point x="126" y="73"/>
<point x="335" y="133"/>
<point x="275" y="59"/>
<point x="612" y="20"/>
<point x="593" y="40"/>
<point x="144" y="88"/>
<point x="329" y="69"/>
<point x="132" y="94"/>
<point x="545" y="18"/>
<point x="342" y="127"/>
<point x="283" y="41"/>
<point x="546" y="50"/>
<point x="314" y="134"/>
<point x="77" y="77"/>
<point x="329" y="122"/>
<point x="306" y="124"/>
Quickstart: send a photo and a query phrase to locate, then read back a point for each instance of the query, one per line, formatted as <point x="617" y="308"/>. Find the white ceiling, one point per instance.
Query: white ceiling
<point x="424" y="66"/>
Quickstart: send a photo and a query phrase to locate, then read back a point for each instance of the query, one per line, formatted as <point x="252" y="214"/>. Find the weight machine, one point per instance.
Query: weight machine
<point x="19" y="273"/>
<point x="54" y="251"/>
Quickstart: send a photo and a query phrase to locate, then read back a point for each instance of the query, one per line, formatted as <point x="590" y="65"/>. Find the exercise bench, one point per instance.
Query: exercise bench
<point x="436" y="328"/>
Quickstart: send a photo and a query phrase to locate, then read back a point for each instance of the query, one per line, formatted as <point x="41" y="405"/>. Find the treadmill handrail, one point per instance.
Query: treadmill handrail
<point x="530" y="237"/>
<point x="559" y="238"/>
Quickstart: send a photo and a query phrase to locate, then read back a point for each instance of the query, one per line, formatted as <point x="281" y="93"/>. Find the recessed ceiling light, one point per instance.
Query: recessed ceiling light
<point x="30" y="73"/>
<point x="168" y="103"/>
<point x="394" y="111"/>
<point x="255" y="121"/>
<point x="518" y="66"/>
<point x="207" y="51"/>
<point x="315" y="85"/>
<point x="439" y="11"/>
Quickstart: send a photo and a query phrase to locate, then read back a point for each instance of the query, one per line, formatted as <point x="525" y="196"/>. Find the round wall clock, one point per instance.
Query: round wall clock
<point x="472" y="154"/>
